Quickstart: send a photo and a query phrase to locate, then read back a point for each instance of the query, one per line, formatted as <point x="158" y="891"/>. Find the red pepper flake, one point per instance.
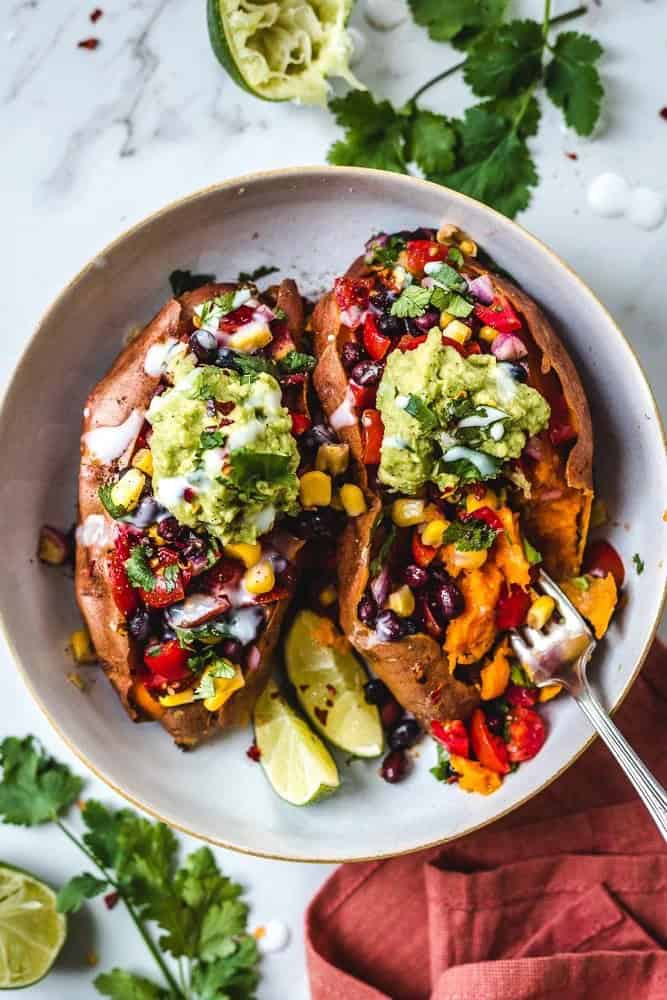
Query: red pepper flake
<point x="572" y="156"/>
<point x="111" y="899"/>
<point x="253" y="752"/>
<point x="331" y="689"/>
<point x="189" y="494"/>
<point x="434" y="696"/>
<point x="88" y="43"/>
<point x="322" y="714"/>
<point x="96" y="14"/>
<point x="663" y="113"/>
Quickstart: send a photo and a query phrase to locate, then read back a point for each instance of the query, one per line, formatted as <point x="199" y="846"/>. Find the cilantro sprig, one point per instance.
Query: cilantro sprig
<point x="198" y="911"/>
<point x="485" y="153"/>
<point x="470" y="536"/>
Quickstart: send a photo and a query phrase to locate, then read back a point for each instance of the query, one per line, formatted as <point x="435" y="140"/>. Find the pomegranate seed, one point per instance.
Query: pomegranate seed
<point x="111" y="899"/>
<point x="253" y="752"/>
<point x="391" y="713"/>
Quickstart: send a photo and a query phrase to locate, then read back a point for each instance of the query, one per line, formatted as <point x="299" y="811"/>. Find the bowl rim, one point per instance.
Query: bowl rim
<point x="298" y="172"/>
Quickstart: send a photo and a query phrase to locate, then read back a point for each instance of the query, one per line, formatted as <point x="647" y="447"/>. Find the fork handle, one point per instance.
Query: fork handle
<point x="650" y="791"/>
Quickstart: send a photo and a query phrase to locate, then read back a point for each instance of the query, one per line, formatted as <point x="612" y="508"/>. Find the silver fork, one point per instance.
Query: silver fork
<point x="559" y="654"/>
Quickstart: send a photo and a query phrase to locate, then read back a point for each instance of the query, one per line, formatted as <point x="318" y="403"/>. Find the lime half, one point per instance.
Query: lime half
<point x="283" y="50"/>
<point x="329" y="682"/>
<point x="296" y="761"/>
<point x="31" y="931"/>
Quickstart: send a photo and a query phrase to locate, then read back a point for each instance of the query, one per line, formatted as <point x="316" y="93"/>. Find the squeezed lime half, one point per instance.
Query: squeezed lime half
<point x="283" y="50"/>
<point x="329" y="682"/>
<point x="32" y="932"/>
<point x="296" y="761"/>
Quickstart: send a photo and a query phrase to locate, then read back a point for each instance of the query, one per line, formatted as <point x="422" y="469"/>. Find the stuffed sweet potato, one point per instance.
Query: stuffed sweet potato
<point x="472" y="440"/>
<point x="189" y="462"/>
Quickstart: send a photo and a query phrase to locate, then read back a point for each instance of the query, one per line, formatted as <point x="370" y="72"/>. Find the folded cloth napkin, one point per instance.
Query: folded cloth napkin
<point x="565" y="898"/>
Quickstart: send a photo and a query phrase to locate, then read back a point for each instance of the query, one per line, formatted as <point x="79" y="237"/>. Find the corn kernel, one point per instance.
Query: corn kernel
<point x="224" y="689"/>
<point x="458" y="331"/>
<point x="405" y="513"/>
<point x="448" y="232"/>
<point x="260" y="578"/>
<point x="126" y="492"/>
<point x="445" y="319"/>
<point x="144" y="700"/>
<point x="402" y="601"/>
<point x="487" y="334"/>
<point x="332" y="458"/>
<point x="251" y="337"/>
<point x="540" y="611"/>
<point x="315" y="489"/>
<point x="488" y="500"/>
<point x="469" y="560"/>
<point x="180" y="698"/>
<point x="143" y="460"/>
<point x="328" y="596"/>
<point x="353" y="500"/>
<point x="433" y="532"/>
<point x="77" y="680"/>
<point x="82" y="647"/>
<point x="247" y="553"/>
<point x="468" y="247"/>
<point x="154" y="534"/>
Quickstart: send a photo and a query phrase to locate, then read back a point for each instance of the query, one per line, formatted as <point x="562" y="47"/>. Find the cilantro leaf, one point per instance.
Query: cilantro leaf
<point x="375" y="133"/>
<point x="102" y="830"/>
<point x="418" y="409"/>
<point x="211" y="439"/>
<point x="231" y="978"/>
<point x="387" y="255"/>
<point x="455" y="255"/>
<point x="121" y="985"/>
<point x="35" y="788"/>
<point x="447" y="19"/>
<point x="573" y="82"/>
<point x="218" y="668"/>
<point x="470" y="536"/>
<point x="209" y="633"/>
<point x="505" y="60"/>
<point x="145" y="860"/>
<point x="296" y="361"/>
<point x="80" y="888"/>
<point x="250" y="365"/>
<point x="413" y="301"/>
<point x="248" y="465"/>
<point x="263" y="271"/>
<point x="451" y="302"/>
<point x="519" y="676"/>
<point x="449" y="278"/>
<point x="113" y="509"/>
<point x="640" y="565"/>
<point x="185" y="281"/>
<point x="139" y="571"/>
<point x="442" y="771"/>
<point x="431" y="143"/>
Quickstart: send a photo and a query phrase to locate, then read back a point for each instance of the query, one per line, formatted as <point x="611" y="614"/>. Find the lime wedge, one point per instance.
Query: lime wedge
<point x="31" y="931"/>
<point x="297" y="763"/>
<point x="283" y="50"/>
<point x="329" y="682"/>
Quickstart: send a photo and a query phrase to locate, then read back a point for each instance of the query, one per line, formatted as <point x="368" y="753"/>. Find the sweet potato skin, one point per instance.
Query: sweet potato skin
<point x="124" y="388"/>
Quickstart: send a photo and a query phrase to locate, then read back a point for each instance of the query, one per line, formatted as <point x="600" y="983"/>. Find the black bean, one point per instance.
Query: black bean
<point x="367" y="610"/>
<point x="391" y="326"/>
<point x="389" y="627"/>
<point x="351" y="354"/>
<point x="207" y="355"/>
<point x="226" y="358"/>
<point x="317" y="435"/>
<point x="518" y="372"/>
<point x="376" y="692"/>
<point x="446" y="601"/>
<point x="367" y="373"/>
<point x="415" y="576"/>
<point x="404" y="735"/>
<point x="391" y="714"/>
<point x="384" y="300"/>
<point x="140" y="625"/>
<point x="320" y="523"/>
<point x="232" y="649"/>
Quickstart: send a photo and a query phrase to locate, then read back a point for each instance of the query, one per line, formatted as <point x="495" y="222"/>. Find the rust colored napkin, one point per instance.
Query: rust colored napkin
<point x="565" y="898"/>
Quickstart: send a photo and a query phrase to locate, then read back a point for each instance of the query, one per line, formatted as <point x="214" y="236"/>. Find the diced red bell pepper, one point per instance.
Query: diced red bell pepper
<point x="448" y="342"/>
<point x="500" y="315"/>
<point x="301" y="423"/>
<point x="560" y="425"/>
<point x="168" y="660"/>
<point x="526" y="733"/>
<point x="512" y="607"/>
<point x="521" y="697"/>
<point x="169" y="588"/>
<point x="422" y="554"/>
<point x="363" y="395"/>
<point x="124" y="594"/>
<point x="408" y="342"/>
<point x="233" y="320"/>
<point x="472" y="347"/>
<point x="418" y="253"/>
<point x="601" y="558"/>
<point x="372" y="432"/>
<point x="453" y="735"/>
<point x="352" y="291"/>
<point x="376" y="343"/>
<point x="485" y="514"/>
<point x="488" y="748"/>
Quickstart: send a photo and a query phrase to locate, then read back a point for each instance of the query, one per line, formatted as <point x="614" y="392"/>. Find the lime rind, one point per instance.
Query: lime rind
<point x="32" y="932"/>
<point x="283" y="50"/>
<point x="297" y="763"/>
<point x="329" y="681"/>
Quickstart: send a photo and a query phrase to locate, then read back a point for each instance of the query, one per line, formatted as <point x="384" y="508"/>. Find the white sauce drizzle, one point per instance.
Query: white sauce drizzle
<point x="393" y="441"/>
<point x="213" y="461"/>
<point x="244" y="434"/>
<point x="485" y="465"/>
<point x="647" y="208"/>
<point x="487" y="415"/>
<point x="244" y="624"/>
<point x="608" y="195"/>
<point x="108" y="443"/>
<point x="506" y="386"/>
<point x="156" y="357"/>
<point x="272" y="936"/>
<point x="344" y="415"/>
<point x="170" y="490"/>
<point x="264" y="519"/>
<point x="95" y="531"/>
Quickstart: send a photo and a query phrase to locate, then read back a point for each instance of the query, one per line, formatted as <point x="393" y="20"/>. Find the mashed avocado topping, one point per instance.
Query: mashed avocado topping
<point x="449" y="419"/>
<point x="224" y="459"/>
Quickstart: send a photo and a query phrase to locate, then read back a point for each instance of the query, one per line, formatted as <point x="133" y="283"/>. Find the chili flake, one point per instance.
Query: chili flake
<point x="96" y="14"/>
<point x="88" y="43"/>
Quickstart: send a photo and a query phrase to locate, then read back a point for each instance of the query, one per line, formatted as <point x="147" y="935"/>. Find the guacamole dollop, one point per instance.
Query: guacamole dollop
<point x="449" y="419"/>
<point x="224" y="459"/>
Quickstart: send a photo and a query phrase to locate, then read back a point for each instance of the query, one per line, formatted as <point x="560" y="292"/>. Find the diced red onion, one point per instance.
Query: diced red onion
<point x="380" y="585"/>
<point x="253" y="657"/>
<point x="429" y="319"/>
<point x="508" y="347"/>
<point x="263" y="312"/>
<point x="482" y="289"/>
<point x="377" y="241"/>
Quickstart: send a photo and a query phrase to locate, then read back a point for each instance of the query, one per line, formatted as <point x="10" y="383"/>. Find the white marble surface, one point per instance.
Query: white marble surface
<point x="94" y="141"/>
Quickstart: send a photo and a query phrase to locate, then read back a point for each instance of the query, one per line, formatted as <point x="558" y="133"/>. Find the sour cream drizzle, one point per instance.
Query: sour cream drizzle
<point x="108" y="443"/>
<point x="96" y="531"/>
<point x="156" y="357"/>
<point x="344" y="415"/>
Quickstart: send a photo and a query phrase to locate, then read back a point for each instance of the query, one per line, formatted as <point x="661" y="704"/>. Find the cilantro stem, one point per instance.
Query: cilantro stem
<point x="549" y="22"/>
<point x="148" y="941"/>
<point x="546" y="20"/>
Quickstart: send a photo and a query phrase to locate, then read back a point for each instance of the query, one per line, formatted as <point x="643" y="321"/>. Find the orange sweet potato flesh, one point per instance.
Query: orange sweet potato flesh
<point x="127" y="387"/>
<point x="596" y="603"/>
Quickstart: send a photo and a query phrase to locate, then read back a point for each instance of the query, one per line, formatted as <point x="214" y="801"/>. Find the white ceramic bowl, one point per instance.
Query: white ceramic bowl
<point x="311" y="222"/>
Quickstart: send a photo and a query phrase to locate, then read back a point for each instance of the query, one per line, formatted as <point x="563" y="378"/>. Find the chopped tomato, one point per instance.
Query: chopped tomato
<point x="363" y="395"/>
<point x="500" y="315"/>
<point x="233" y="320"/>
<point x="420" y="252"/>
<point x="472" y="347"/>
<point x="168" y="660"/>
<point x="526" y="733"/>
<point x="512" y="607"/>
<point x="352" y="291"/>
<point x="300" y="423"/>
<point x="408" y="342"/>
<point x="485" y="514"/>
<point x="453" y="736"/>
<point x="523" y="697"/>
<point x="560" y="425"/>
<point x="124" y="594"/>
<point x="170" y="581"/>
<point x="601" y="558"/>
<point x="372" y="432"/>
<point x="422" y="554"/>
<point x="376" y="343"/>
<point x="489" y="749"/>
<point x="448" y="342"/>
